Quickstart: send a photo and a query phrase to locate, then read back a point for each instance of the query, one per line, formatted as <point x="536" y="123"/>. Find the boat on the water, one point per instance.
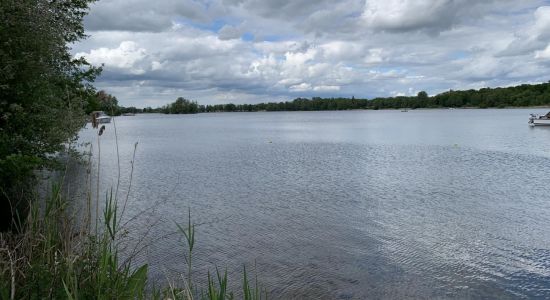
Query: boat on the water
<point x="538" y="120"/>
<point x="100" y="117"/>
<point x="128" y="114"/>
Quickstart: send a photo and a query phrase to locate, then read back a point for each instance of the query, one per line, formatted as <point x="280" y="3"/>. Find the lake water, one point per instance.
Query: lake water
<point x="343" y="205"/>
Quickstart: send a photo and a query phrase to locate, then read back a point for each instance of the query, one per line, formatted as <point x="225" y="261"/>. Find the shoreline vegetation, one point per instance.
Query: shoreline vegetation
<point x="63" y="251"/>
<point x="526" y="95"/>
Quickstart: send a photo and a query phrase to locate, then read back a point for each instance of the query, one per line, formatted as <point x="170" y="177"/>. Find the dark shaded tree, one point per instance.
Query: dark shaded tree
<point x="105" y="102"/>
<point x="181" y="106"/>
<point x="43" y="91"/>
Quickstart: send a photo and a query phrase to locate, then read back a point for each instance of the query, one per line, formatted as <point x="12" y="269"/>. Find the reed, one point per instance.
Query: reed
<point x="59" y="255"/>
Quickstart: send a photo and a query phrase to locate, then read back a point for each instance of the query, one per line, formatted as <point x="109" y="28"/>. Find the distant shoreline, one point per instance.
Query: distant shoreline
<point x="522" y="96"/>
<point x="358" y="109"/>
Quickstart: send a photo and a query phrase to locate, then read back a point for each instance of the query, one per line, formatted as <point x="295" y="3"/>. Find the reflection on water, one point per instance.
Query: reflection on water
<point x="346" y="205"/>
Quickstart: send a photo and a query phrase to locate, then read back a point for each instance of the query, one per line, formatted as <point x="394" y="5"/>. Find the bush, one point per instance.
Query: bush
<point x="43" y="91"/>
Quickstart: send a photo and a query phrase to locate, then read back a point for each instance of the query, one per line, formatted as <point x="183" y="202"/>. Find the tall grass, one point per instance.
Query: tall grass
<point x="58" y="255"/>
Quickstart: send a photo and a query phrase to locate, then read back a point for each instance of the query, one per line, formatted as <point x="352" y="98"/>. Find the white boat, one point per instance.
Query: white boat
<point x="100" y="117"/>
<point x="103" y="118"/>
<point x="538" y="120"/>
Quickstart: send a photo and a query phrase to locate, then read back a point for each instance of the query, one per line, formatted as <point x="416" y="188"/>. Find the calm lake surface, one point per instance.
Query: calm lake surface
<point x="343" y="205"/>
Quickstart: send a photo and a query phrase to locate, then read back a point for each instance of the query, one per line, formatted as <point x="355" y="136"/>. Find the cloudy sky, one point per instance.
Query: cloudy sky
<point x="249" y="51"/>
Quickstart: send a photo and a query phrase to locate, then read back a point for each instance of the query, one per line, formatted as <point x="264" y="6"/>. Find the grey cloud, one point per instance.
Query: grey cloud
<point x="281" y="9"/>
<point x="535" y="37"/>
<point x="142" y="15"/>
<point x="317" y="17"/>
<point x="111" y="20"/>
<point x="229" y="32"/>
<point x="429" y="16"/>
<point x="339" y="17"/>
<point x="521" y="46"/>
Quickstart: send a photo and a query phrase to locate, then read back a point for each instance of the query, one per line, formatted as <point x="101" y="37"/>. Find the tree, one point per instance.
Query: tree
<point x="104" y="102"/>
<point x="181" y="106"/>
<point x="43" y="90"/>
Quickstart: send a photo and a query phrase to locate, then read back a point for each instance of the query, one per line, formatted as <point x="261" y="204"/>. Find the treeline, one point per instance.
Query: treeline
<point x="103" y="101"/>
<point x="180" y="106"/>
<point x="523" y="95"/>
<point x="517" y="96"/>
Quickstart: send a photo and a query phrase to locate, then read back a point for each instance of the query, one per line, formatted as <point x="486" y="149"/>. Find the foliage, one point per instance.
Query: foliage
<point x="104" y="102"/>
<point x="57" y="257"/>
<point x="43" y="90"/>
<point x="181" y="106"/>
<point x="523" y="95"/>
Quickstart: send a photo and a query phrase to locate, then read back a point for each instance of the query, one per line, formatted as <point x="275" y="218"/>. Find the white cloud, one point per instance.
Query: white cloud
<point x="126" y="56"/>
<point x="156" y="66"/>
<point x="326" y="88"/>
<point x="342" y="50"/>
<point x="534" y="37"/>
<point x="483" y="67"/>
<point x="374" y="56"/>
<point x="542" y="22"/>
<point x="543" y="54"/>
<point x="298" y="59"/>
<point x="302" y="87"/>
<point x="406" y="14"/>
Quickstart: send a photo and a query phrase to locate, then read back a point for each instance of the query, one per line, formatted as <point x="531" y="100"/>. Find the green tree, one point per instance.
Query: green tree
<point x="107" y="103"/>
<point x="43" y="90"/>
<point x="421" y="100"/>
<point x="181" y="106"/>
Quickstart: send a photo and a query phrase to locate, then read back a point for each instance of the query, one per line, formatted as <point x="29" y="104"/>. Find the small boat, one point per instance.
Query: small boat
<point x="99" y="117"/>
<point x="128" y="114"/>
<point x="538" y="120"/>
<point x="404" y="110"/>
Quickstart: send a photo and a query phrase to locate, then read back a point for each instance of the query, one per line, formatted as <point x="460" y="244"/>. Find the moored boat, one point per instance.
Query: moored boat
<point x="538" y="120"/>
<point x="100" y="117"/>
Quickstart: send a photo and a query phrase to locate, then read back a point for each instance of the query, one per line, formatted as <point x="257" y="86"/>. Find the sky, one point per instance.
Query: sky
<point x="251" y="51"/>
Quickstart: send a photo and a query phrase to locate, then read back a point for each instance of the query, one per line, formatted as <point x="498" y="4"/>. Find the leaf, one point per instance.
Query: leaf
<point x="67" y="292"/>
<point x="137" y="281"/>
